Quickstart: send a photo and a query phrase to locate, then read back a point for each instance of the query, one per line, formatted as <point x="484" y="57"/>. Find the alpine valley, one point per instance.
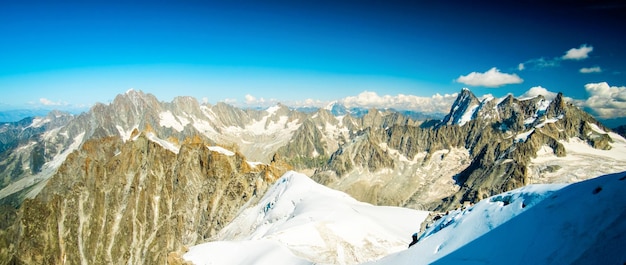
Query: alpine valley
<point x="140" y="181"/>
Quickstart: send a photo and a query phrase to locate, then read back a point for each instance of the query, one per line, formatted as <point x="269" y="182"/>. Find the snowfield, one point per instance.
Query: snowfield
<point x="301" y="222"/>
<point x="581" y="223"/>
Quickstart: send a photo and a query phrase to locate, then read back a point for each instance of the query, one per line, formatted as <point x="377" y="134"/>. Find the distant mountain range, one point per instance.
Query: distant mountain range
<point x="137" y="180"/>
<point x="19" y="114"/>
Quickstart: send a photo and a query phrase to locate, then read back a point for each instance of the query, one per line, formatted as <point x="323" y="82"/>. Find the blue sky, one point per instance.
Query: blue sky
<point x="71" y="54"/>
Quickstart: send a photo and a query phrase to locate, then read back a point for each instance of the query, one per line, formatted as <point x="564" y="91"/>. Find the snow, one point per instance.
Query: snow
<point x="165" y="144"/>
<point x="537" y="224"/>
<point x="273" y="109"/>
<point x="467" y="116"/>
<point x="170" y="121"/>
<point x="125" y="134"/>
<point x="522" y="137"/>
<point x="265" y="252"/>
<point x="543" y="105"/>
<point x="305" y="221"/>
<point x="595" y="128"/>
<point x="38" y="122"/>
<point x="59" y="159"/>
<point x="581" y="162"/>
<point x="253" y="163"/>
<point x="262" y="127"/>
<point x="49" y="168"/>
<point x="551" y="120"/>
<point x="204" y="126"/>
<point x="530" y="120"/>
<point x="221" y="150"/>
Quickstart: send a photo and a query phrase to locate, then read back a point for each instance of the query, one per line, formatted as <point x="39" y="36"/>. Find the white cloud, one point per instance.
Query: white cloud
<point x="230" y="101"/>
<point x="541" y="63"/>
<point x="250" y="99"/>
<point x="437" y="103"/>
<point x="595" y="69"/>
<point x="578" y="53"/>
<point x="606" y="101"/>
<point x="492" y="78"/>
<point x="47" y="102"/>
<point x="538" y="90"/>
<point x="571" y="54"/>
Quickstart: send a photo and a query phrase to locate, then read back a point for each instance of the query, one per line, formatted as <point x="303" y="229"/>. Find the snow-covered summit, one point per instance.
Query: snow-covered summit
<point x="303" y="222"/>
<point x="581" y="223"/>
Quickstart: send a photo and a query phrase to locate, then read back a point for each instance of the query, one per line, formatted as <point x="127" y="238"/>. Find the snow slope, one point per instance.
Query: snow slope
<point x="581" y="162"/>
<point x="301" y="222"/>
<point x="581" y="223"/>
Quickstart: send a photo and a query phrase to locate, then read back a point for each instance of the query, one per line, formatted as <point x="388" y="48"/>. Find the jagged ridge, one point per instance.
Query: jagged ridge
<point x="133" y="202"/>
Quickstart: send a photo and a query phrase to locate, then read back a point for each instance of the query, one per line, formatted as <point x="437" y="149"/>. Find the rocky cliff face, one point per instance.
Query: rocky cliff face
<point x="305" y="140"/>
<point x="25" y="147"/>
<point x="492" y="142"/>
<point x="133" y="202"/>
<point x="98" y="191"/>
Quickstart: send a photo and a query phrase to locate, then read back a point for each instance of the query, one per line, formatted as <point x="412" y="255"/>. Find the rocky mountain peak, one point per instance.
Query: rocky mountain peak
<point x="133" y="202"/>
<point x="557" y="107"/>
<point x="337" y="109"/>
<point x="135" y="99"/>
<point x="462" y="109"/>
<point x="186" y="105"/>
<point x="502" y="139"/>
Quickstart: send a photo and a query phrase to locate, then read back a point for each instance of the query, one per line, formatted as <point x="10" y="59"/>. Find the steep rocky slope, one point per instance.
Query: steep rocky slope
<point x="34" y="149"/>
<point x="481" y="148"/>
<point x="133" y="202"/>
<point x="25" y="148"/>
<point x="95" y="190"/>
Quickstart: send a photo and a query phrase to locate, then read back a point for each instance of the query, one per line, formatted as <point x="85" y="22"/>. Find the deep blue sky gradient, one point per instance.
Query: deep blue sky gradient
<point x="82" y="52"/>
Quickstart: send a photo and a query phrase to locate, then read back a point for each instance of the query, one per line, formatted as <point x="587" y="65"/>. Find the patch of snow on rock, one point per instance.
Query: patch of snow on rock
<point x="221" y="150"/>
<point x="165" y="144"/>
<point x="167" y="119"/>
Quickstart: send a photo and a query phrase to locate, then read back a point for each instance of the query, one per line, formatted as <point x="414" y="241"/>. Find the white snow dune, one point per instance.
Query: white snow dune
<point x="581" y="223"/>
<point x="301" y="222"/>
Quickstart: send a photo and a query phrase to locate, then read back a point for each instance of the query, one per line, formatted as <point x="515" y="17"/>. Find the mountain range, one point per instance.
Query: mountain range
<point x="138" y="180"/>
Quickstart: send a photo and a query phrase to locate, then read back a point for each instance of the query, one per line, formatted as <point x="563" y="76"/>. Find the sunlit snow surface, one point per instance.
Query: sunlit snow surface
<point x="165" y="144"/>
<point x="537" y="224"/>
<point x="299" y="221"/>
<point x="221" y="150"/>
<point x="168" y="119"/>
<point x="581" y="162"/>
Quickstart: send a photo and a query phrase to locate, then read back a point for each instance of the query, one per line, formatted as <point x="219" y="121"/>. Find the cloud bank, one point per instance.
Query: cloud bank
<point x="606" y="101"/>
<point x="492" y="78"/>
<point x="367" y="99"/>
<point x="47" y="102"/>
<point x="434" y="104"/>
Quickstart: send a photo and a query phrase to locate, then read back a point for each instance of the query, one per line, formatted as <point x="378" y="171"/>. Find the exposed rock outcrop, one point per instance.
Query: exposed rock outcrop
<point x="133" y="202"/>
<point x="501" y="138"/>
